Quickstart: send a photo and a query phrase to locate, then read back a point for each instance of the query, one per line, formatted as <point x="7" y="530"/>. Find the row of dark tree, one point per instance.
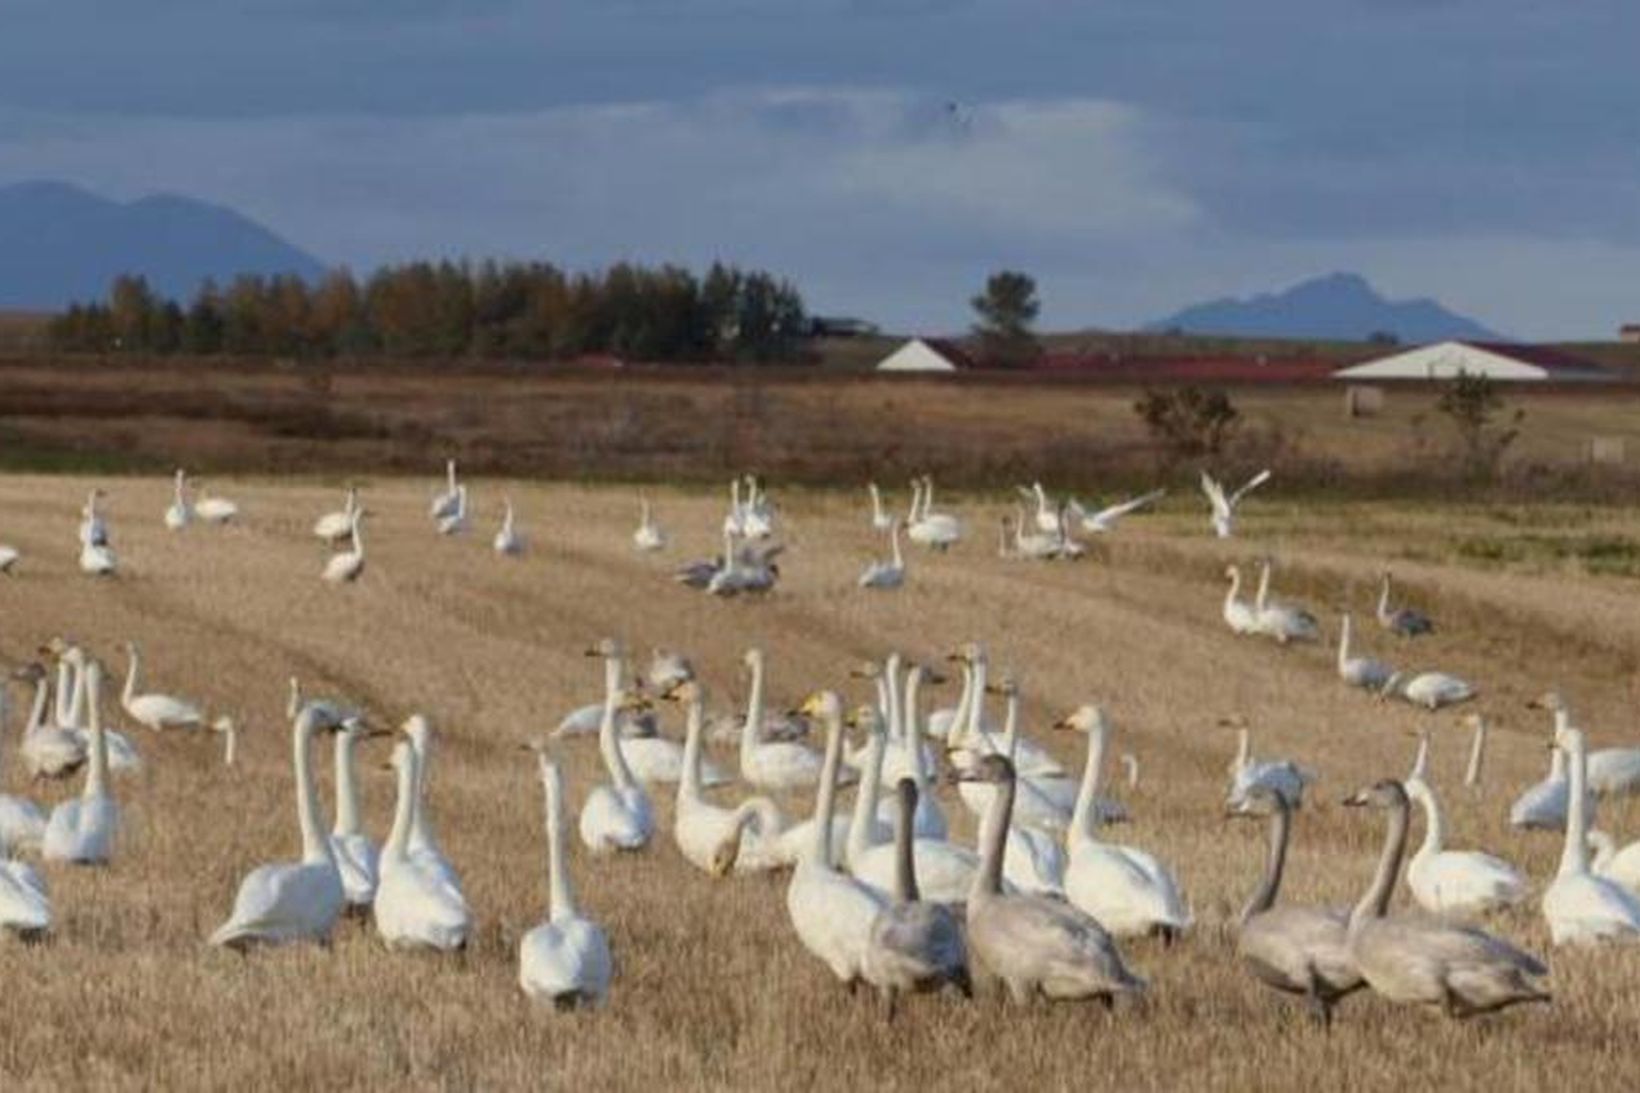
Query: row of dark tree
<point x="448" y="309"/>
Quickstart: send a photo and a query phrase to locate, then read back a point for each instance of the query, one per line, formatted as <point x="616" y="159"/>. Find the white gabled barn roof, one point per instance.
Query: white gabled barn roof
<point x="925" y="355"/>
<point x="1494" y="360"/>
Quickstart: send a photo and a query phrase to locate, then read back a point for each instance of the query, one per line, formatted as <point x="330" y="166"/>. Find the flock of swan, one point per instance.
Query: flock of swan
<point x="883" y="893"/>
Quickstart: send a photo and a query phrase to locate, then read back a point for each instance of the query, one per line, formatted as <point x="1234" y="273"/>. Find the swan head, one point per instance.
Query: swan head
<point x="1257" y="801"/>
<point x="752" y="658"/>
<point x="971" y="652"/>
<point x="724" y="857"/>
<point x="1232" y="572"/>
<point x="1007" y="686"/>
<point x="1384" y="794"/>
<point x="825" y="705"/>
<point x="1086" y="718"/>
<point x="607" y="648"/>
<point x="1568" y="740"/>
<point x="1549" y="700"/>
<point x="687" y="692"/>
<point x="970" y="766"/>
<point x="419" y="730"/>
<point x="867" y="717"/>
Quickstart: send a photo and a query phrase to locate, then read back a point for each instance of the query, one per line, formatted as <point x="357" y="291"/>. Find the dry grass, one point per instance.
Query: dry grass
<point x="713" y="990"/>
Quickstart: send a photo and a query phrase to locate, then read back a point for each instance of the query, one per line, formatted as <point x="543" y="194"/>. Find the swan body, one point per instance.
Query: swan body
<point x="1127" y="891"/>
<point x="455" y="523"/>
<point x="1457" y="883"/>
<point x="936" y="530"/>
<point x="1296" y="950"/>
<point x="1409" y="960"/>
<point x="1544" y="805"/>
<point x="1364" y="672"/>
<point x="82" y="829"/>
<point x="8" y="558"/>
<point x="215" y="510"/>
<point x="156" y="711"/>
<point x="586" y="721"/>
<point x="25" y="904"/>
<point x="508" y="542"/>
<point x="616" y="814"/>
<point x="346" y="566"/>
<point x="1104" y="520"/>
<point x="1430" y="690"/>
<point x="290" y="901"/>
<point x="1223" y="505"/>
<point x="747" y="837"/>
<point x="415" y="907"/>
<point x="1620" y="865"/>
<point x="889" y="574"/>
<point x="1034" y="944"/>
<point x="1239" y="615"/>
<point x="1401" y="620"/>
<point x="93" y="530"/>
<point x="649" y="537"/>
<point x="1581" y="906"/>
<point x="832" y="912"/>
<point x="49" y="751"/>
<point x="771" y="765"/>
<point x="1614" y="772"/>
<point x="656" y="759"/>
<point x="358" y="862"/>
<point x="444" y="504"/>
<point x="333" y="527"/>
<point x="97" y="560"/>
<point x="22" y="824"/>
<point x="1282" y="776"/>
<point x="565" y="959"/>
<point x="179" y="514"/>
<point x="1284" y="622"/>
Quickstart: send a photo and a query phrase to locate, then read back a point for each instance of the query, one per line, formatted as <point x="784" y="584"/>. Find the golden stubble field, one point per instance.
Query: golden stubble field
<point x="712" y="989"/>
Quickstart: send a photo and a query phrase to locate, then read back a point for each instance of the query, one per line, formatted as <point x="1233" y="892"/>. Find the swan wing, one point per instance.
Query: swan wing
<point x="286" y="901"/>
<point x="1252" y="484"/>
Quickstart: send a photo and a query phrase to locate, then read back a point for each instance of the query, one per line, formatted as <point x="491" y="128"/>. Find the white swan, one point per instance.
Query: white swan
<point x="327" y="712"/>
<point x="230" y="738"/>
<point x="1039" y="803"/>
<point x="745" y="838"/>
<point x="71" y="715"/>
<point x="333" y="527"/>
<point x="757" y="518"/>
<point x="1362" y="672"/>
<point x="1282" y="621"/>
<point x="82" y="829"/>
<point x="1030" y="759"/>
<point x="889" y="574"/>
<point x="831" y="911"/>
<point x="881" y="519"/>
<point x="1477" y="750"/>
<point x="1224" y="505"/>
<point x="1129" y="892"/>
<point x="1543" y="806"/>
<point x="97" y="560"/>
<point x="909" y="755"/>
<point x="93" y="531"/>
<point x="415" y="908"/>
<point x="648" y="537"/>
<point x="179" y="514"/>
<point x="22" y="824"/>
<point x="25" y="904"/>
<point x="424" y="849"/>
<point x="1613" y="772"/>
<point x="1400" y="620"/>
<point x="157" y="711"/>
<point x="1457" y="883"/>
<point x="1580" y="907"/>
<point x="358" y="862"/>
<point x="565" y="959"/>
<point x="215" y="510"/>
<point x="1283" y="776"/>
<point x="1104" y="520"/>
<point x="1620" y="865"/>
<point x="649" y="758"/>
<point x="616" y="815"/>
<point x="346" y="566"/>
<point x="1238" y="614"/>
<point x="773" y="764"/>
<point x="290" y="901"/>
<point x="444" y="504"/>
<point x="48" y="750"/>
<point x="1429" y="690"/>
<point x="456" y="522"/>
<point x="509" y="541"/>
<point x="937" y="530"/>
<point x="8" y="558"/>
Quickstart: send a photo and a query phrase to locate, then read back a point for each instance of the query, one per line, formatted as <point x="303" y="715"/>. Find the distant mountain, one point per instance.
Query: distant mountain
<point x="1339" y="306"/>
<point x="59" y="243"/>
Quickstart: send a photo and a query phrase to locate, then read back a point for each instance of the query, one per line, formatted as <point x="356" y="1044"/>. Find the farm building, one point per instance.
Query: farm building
<point x="1629" y="332"/>
<point x="1494" y="360"/>
<point x="926" y="355"/>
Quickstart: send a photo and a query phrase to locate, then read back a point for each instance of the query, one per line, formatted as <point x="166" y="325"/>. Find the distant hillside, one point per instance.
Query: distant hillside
<point x="1340" y="306"/>
<point x="60" y="243"/>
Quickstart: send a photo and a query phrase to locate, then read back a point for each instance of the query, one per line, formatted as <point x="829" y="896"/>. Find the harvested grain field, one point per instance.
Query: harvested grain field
<point x="712" y="989"/>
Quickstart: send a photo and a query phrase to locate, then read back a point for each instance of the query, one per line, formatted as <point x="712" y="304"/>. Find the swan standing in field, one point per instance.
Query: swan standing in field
<point x="617" y="814"/>
<point x="1103" y="521"/>
<point x="157" y="711"/>
<point x="1282" y="776"/>
<point x="1581" y="907"/>
<point x="1401" y="620"/>
<point x="22" y="824"/>
<point x="1238" y="614"/>
<point x="1296" y="950"/>
<point x="1282" y="621"/>
<point x="291" y="901"/>
<point x="424" y="849"/>
<point x="215" y="510"/>
<point x="345" y="566"/>
<point x="649" y="537"/>
<point x="771" y="764"/>
<point x="444" y="503"/>
<point x="1429" y="690"/>
<point x="1034" y="944"/>
<point x="914" y="944"/>
<point x="881" y="520"/>
<point x="93" y="531"/>
<point x="937" y="530"/>
<point x="8" y="558"/>
<point x="48" y="750"/>
<point x="1127" y="891"/>
<point x="831" y="911"/>
<point x="1613" y="772"/>
<point x="456" y="522"/>
<point x="358" y="862"/>
<point x="889" y="574"/>
<point x="1413" y="960"/>
<point x="1456" y="883"/>
<point x="1224" y="505"/>
<point x="179" y="514"/>
<point x="565" y="959"/>
<point x="1363" y="672"/>
<point x="415" y="908"/>
<point x="746" y="838"/>
<point x="333" y="527"/>
<point x="82" y="829"/>
<point x="508" y="542"/>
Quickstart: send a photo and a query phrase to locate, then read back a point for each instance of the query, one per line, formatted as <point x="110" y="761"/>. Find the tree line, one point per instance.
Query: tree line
<point x="450" y="309"/>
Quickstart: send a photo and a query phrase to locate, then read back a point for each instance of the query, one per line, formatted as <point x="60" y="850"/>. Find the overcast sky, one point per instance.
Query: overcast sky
<point x="1135" y="155"/>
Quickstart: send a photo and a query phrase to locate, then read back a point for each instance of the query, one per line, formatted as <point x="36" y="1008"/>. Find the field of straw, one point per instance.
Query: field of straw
<point x="712" y="989"/>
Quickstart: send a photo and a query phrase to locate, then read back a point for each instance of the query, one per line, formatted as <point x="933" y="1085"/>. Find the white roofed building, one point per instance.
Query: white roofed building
<point x="1501" y="361"/>
<point x="926" y="355"/>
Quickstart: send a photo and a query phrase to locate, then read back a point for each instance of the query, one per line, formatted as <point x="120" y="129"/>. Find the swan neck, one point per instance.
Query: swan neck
<point x="132" y="667"/>
<point x="404" y="807"/>
<point x="752" y="730"/>
<point x="865" y="796"/>
<point x="609" y="741"/>
<point x="976" y="705"/>
<point x="76" y="704"/>
<point x="689" y="784"/>
<point x="1263" y="586"/>
<point x="315" y="847"/>
<point x="1574" y="858"/>
<point x="1434" y="822"/>
<point x="825" y="797"/>
<point x="560" y="893"/>
<point x="96" y="782"/>
<point x="1376" y="899"/>
<point x="911" y="728"/>
<point x="1477" y="754"/>
<point x="1275" y="862"/>
<point x="905" y="865"/>
<point x="993" y="837"/>
<point x="67" y="688"/>
<point x="1344" y="641"/>
<point x="1082" y="816"/>
<point x="347" y="783"/>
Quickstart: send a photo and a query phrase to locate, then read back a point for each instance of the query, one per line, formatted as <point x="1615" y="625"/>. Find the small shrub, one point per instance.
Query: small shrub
<point x="1188" y="422"/>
